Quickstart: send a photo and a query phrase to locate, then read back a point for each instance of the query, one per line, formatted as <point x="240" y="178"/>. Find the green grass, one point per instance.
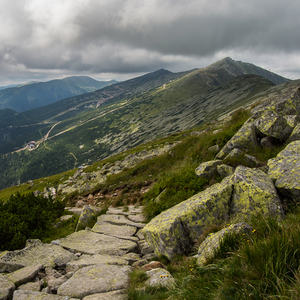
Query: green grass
<point x="264" y="265"/>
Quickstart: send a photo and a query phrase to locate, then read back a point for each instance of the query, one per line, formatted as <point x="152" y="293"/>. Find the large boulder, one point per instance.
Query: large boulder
<point x="173" y="231"/>
<point x="30" y="295"/>
<point x="288" y="103"/>
<point x="245" y="138"/>
<point x="274" y="125"/>
<point x="253" y="193"/>
<point x="284" y="169"/>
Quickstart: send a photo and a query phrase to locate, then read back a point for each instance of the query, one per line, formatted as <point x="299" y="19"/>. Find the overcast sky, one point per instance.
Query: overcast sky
<point x="119" y="39"/>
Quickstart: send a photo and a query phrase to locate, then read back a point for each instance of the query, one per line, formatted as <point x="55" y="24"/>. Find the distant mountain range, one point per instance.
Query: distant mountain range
<point x="36" y="94"/>
<point x="89" y="127"/>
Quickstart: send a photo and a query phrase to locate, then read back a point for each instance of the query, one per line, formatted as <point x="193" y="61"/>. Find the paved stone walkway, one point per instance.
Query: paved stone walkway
<point x="89" y="264"/>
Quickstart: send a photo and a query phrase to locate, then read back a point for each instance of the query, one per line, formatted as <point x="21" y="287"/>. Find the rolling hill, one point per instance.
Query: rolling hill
<point x="28" y="96"/>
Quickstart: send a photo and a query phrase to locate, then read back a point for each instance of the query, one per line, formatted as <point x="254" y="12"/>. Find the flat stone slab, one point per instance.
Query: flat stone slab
<point x="95" y="279"/>
<point x="114" y="230"/>
<point x="119" y="220"/>
<point x="115" y="295"/>
<point x="24" y="275"/>
<point x="89" y="260"/>
<point x="137" y="218"/>
<point x="122" y="211"/>
<point x="31" y="295"/>
<point x="89" y="242"/>
<point x="36" y="252"/>
<point x="6" y="288"/>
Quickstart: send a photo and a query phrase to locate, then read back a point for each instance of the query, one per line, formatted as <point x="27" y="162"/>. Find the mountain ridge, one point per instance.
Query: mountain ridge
<point x="29" y="96"/>
<point x="89" y="127"/>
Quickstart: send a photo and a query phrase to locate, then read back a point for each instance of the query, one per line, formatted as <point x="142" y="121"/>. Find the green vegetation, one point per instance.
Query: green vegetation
<point x="262" y="265"/>
<point x="26" y="216"/>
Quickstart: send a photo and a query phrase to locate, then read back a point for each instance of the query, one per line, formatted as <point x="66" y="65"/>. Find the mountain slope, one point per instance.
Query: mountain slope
<point x="29" y="96"/>
<point x="86" y="128"/>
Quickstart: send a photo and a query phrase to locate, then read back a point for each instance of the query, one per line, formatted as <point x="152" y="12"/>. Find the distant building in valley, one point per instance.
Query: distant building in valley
<point x="31" y="145"/>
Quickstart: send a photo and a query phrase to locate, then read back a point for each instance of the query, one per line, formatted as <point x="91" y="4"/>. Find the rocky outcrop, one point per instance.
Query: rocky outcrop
<point x="173" y="231"/>
<point x="284" y="169"/>
<point x="247" y="192"/>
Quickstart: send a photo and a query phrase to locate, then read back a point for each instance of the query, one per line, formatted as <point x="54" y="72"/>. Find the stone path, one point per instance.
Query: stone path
<point x="89" y="264"/>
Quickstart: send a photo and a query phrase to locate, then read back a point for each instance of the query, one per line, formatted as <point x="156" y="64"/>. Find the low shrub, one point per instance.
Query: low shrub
<point x="26" y="216"/>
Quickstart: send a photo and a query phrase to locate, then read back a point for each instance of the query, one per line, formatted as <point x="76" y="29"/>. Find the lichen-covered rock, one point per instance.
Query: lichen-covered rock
<point x="160" y="277"/>
<point x="292" y="120"/>
<point x="213" y="241"/>
<point x="31" y="295"/>
<point x="284" y="170"/>
<point x="286" y="102"/>
<point x="253" y="193"/>
<point x="214" y="148"/>
<point x="88" y="213"/>
<point x="245" y="138"/>
<point x="172" y="231"/>
<point x="208" y="168"/>
<point x="90" y="260"/>
<point x="225" y="170"/>
<point x="234" y="154"/>
<point x="36" y="252"/>
<point x="89" y="242"/>
<point x="95" y="279"/>
<point x="295" y="135"/>
<point x="6" y="289"/>
<point x="120" y="231"/>
<point x="274" y="125"/>
<point x="114" y="295"/>
<point x="24" y="275"/>
<point x="250" y="160"/>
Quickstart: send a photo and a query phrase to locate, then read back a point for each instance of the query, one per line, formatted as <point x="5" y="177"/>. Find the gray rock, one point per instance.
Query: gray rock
<point x="144" y="247"/>
<point x="6" y="289"/>
<point x="86" y="215"/>
<point x="274" y="125"/>
<point x="115" y="295"/>
<point x="268" y="142"/>
<point x="95" y="279"/>
<point x="214" y="148"/>
<point x="253" y="194"/>
<point x="139" y="218"/>
<point x="234" y="154"/>
<point x="225" y="170"/>
<point x="172" y="232"/>
<point x="24" y="275"/>
<point x="213" y="241"/>
<point x="31" y="286"/>
<point x="251" y="160"/>
<point x="30" y="295"/>
<point x="89" y="242"/>
<point x="208" y="168"/>
<point x="284" y="170"/>
<point x="114" y="230"/>
<point x="90" y="260"/>
<point x="119" y="220"/>
<point x="295" y="135"/>
<point x="245" y="138"/>
<point x="160" y="277"/>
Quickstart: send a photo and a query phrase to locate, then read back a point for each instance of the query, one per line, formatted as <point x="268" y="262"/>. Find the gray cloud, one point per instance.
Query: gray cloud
<point x="46" y="39"/>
